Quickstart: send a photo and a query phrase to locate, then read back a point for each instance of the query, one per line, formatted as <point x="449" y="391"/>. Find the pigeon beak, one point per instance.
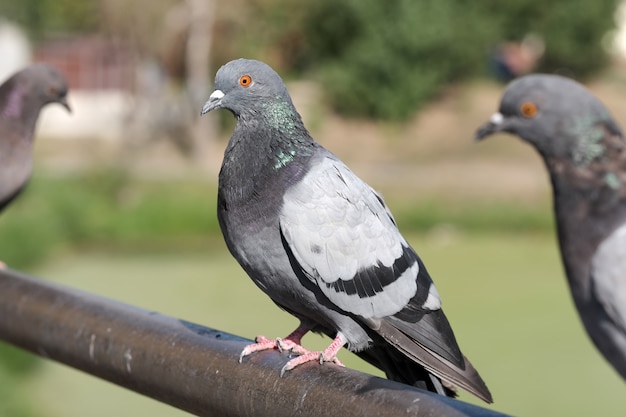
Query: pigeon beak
<point x="63" y="102"/>
<point x="494" y="125"/>
<point x="214" y="101"/>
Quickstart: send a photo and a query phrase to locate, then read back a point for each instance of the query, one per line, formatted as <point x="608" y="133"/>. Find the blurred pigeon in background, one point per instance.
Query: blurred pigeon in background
<point x="585" y="154"/>
<point x="21" y="98"/>
<point x="323" y="245"/>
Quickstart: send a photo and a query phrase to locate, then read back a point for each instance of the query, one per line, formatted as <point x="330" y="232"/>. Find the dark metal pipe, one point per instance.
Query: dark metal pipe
<point x="191" y="367"/>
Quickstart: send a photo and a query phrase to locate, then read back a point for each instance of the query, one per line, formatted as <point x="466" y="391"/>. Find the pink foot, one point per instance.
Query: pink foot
<point x="262" y="343"/>
<point x="290" y="343"/>
<point x="287" y="345"/>
<point x="3" y="265"/>
<point x="328" y="355"/>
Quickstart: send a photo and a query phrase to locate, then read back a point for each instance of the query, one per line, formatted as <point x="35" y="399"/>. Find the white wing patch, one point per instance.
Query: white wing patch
<point x="337" y="226"/>
<point x="608" y="269"/>
<point x="433" y="302"/>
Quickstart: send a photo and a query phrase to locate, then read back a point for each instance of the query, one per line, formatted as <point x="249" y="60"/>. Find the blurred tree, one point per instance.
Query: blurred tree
<point x="572" y="30"/>
<point x="198" y="85"/>
<point x="385" y="59"/>
<point x="44" y="16"/>
<point x="375" y="59"/>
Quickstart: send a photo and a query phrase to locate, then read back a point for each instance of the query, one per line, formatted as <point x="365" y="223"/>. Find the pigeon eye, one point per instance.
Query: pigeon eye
<point x="245" y="81"/>
<point x="528" y="109"/>
<point x="53" y="91"/>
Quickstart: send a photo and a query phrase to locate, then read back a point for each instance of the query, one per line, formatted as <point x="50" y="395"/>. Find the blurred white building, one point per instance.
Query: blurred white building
<point x="15" y="49"/>
<point x="617" y="39"/>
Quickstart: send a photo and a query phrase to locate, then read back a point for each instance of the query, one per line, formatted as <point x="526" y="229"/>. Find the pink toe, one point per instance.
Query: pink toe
<point x="262" y="343"/>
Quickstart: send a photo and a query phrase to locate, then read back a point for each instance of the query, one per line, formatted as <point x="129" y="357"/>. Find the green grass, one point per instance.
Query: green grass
<point x="108" y="209"/>
<point x="472" y="216"/>
<point x="105" y="209"/>
<point x="504" y="294"/>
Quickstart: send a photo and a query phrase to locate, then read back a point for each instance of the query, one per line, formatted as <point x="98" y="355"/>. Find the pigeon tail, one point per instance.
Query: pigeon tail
<point x="408" y="372"/>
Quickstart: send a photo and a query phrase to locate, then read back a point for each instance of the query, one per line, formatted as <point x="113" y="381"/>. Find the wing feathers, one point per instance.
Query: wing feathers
<point x="607" y="272"/>
<point x="345" y="240"/>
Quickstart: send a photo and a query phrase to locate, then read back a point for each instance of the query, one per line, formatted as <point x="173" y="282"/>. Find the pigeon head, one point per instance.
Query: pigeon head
<point x="249" y="89"/>
<point x="556" y="115"/>
<point x="45" y="83"/>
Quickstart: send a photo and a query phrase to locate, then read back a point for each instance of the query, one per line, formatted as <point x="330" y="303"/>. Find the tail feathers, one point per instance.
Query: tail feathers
<point x="400" y="368"/>
<point x="433" y="332"/>
<point x="464" y="376"/>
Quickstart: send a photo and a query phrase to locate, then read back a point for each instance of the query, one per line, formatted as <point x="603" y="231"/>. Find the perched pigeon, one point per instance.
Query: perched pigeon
<point x="585" y="154"/>
<point x="21" y="98"/>
<point x="323" y="245"/>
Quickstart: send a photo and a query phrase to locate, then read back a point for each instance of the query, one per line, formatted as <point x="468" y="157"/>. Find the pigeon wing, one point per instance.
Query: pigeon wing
<point x="607" y="269"/>
<point x="346" y="242"/>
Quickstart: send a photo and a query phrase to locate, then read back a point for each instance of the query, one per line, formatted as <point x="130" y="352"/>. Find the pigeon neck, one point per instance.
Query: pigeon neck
<point x="598" y="179"/>
<point x="14" y="104"/>
<point x="589" y="196"/>
<point x="260" y="153"/>
<point x="589" y="205"/>
<point x="279" y="114"/>
<point x="17" y="111"/>
<point x="276" y="129"/>
<point x="15" y="165"/>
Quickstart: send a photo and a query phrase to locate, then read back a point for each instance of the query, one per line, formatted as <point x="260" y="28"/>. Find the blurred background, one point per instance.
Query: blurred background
<point x="123" y="198"/>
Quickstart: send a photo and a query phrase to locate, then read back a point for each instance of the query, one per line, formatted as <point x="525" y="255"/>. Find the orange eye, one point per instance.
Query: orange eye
<point x="245" y="81"/>
<point x="52" y="91"/>
<point x="528" y="109"/>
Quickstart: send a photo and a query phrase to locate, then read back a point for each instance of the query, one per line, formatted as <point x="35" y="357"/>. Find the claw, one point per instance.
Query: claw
<point x="334" y="360"/>
<point x="282" y="346"/>
<point x="287" y="345"/>
<point x="262" y="343"/>
<point x="328" y="355"/>
<point x="309" y="357"/>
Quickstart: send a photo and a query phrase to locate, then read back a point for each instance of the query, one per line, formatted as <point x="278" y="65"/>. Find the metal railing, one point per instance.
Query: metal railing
<point x="192" y="367"/>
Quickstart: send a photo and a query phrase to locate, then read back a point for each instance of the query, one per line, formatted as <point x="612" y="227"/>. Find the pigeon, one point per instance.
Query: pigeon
<point x="324" y="246"/>
<point x="585" y="154"/>
<point x="22" y="96"/>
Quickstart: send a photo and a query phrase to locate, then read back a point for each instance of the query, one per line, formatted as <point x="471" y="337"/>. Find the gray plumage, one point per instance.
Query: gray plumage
<point x="21" y="98"/>
<point x="322" y="244"/>
<point x="585" y="154"/>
